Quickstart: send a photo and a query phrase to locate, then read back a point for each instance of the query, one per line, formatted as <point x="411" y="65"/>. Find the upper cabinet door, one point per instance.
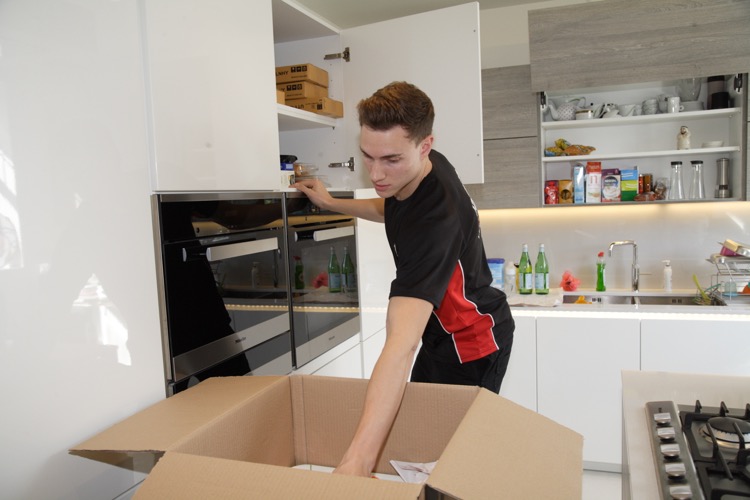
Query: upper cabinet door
<point x="212" y="94"/>
<point x="616" y="42"/>
<point x="437" y="51"/>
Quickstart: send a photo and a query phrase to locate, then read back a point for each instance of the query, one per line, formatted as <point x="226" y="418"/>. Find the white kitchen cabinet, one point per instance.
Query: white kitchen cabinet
<point x="519" y="384"/>
<point x="647" y="142"/>
<point x="212" y="95"/>
<point x="371" y="349"/>
<point x="348" y="364"/>
<point x="438" y="51"/>
<point x="579" y="362"/>
<point x="704" y="344"/>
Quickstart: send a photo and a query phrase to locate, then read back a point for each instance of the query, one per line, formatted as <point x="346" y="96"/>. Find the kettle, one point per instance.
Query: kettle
<point x="566" y="110"/>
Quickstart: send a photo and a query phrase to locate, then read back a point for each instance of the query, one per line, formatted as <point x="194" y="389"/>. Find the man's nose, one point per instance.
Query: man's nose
<point x="376" y="171"/>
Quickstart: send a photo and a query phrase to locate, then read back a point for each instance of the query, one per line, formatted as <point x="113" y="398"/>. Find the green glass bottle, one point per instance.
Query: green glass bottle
<point x="600" y="267"/>
<point x="299" y="273"/>
<point x="541" y="273"/>
<point x="334" y="273"/>
<point x="525" y="272"/>
<point x="348" y="273"/>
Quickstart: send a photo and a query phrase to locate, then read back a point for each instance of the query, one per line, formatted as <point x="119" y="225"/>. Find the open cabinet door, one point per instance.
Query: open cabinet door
<point x="437" y="51"/>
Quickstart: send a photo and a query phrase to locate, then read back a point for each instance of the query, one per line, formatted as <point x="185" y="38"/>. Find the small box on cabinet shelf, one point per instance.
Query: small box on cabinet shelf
<point x="280" y="97"/>
<point x="302" y="73"/>
<point x="322" y="106"/>
<point x="302" y="90"/>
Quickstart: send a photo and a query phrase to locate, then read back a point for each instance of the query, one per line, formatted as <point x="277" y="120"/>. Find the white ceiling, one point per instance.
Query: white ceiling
<point x="349" y="13"/>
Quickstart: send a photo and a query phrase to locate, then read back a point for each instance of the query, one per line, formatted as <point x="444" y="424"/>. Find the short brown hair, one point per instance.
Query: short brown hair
<point x="398" y="104"/>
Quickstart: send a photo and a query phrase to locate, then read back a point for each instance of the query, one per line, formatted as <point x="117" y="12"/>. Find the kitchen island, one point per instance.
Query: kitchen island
<point x="639" y="387"/>
<point x="567" y="360"/>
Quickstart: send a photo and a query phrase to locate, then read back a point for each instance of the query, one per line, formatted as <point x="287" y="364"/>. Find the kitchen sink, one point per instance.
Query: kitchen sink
<point x="630" y="298"/>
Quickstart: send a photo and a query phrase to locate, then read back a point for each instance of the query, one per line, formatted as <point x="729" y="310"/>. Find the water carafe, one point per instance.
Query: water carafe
<point x="697" y="191"/>
<point x="675" y="182"/>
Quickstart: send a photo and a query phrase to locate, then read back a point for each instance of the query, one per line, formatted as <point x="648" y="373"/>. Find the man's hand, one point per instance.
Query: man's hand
<point x="316" y="191"/>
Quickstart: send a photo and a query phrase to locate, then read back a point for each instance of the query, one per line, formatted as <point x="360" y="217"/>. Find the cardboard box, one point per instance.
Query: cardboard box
<point x="302" y="73"/>
<point x="322" y="106"/>
<point x="240" y="437"/>
<point x="611" y="185"/>
<point x="628" y="183"/>
<point x="579" y="184"/>
<point x="280" y="97"/>
<point x="593" y="182"/>
<point x="302" y="90"/>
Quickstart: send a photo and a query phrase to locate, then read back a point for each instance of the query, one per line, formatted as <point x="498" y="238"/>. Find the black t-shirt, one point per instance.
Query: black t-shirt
<point x="437" y="246"/>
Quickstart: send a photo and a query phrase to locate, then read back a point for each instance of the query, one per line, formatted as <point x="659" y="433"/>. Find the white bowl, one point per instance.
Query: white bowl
<point x="712" y="144"/>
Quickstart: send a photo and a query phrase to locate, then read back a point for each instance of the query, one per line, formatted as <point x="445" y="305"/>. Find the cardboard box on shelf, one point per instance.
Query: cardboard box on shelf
<point x="302" y="90"/>
<point x="628" y="183"/>
<point x="237" y="436"/>
<point x="302" y="73"/>
<point x="322" y="106"/>
<point x="611" y="190"/>
<point x="280" y="97"/>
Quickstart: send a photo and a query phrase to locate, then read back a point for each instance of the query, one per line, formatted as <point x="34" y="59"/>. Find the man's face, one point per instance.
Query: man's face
<point x="396" y="165"/>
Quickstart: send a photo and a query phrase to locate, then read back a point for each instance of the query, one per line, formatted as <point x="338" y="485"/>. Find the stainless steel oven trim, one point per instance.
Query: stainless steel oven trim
<point x="208" y="355"/>
<point x="333" y="337"/>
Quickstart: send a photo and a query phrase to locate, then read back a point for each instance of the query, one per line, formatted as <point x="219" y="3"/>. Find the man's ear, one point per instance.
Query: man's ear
<point x="427" y="145"/>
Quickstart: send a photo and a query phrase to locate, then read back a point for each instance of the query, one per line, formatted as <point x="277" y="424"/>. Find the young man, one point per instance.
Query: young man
<point x="441" y="294"/>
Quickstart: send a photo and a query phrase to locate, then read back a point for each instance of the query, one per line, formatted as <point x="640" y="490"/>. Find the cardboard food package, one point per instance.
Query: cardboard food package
<point x="322" y="106"/>
<point x="302" y="90"/>
<point x="611" y="189"/>
<point x="280" y="96"/>
<point x="302" y="73"/>
<point x="593" y="182"/>
<point x="241" y="437"/>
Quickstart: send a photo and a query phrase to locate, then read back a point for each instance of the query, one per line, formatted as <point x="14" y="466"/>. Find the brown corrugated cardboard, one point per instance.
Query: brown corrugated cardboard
<point x="302" y="90"/>
<point x="322" y="106"/>
<point x="280" y="97"/>
<point x="239" y="437"/>
<point x="302" y="73"/>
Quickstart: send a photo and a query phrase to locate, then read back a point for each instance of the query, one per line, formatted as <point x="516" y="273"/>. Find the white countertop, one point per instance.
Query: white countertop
<point x="638" y="388"/>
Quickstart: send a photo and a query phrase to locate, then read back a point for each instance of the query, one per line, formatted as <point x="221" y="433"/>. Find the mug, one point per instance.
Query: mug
<point x="673" y="105"/>
<point x="720" y="100"/>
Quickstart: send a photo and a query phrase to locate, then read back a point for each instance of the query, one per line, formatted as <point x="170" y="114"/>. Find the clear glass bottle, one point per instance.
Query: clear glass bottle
<point x="675" y="182"/>
<point x="334" y="273"/>
<point x="348" y="273"/>
<point x="600" y="268"/>
<point x="697" y="189"/>
<point x="541" y="273"/>
<point x="525" y="272"/>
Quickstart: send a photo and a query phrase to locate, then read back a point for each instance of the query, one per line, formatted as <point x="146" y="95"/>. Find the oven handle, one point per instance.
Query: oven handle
<point x="223" y="252"/>
<point x="325" y="234"/>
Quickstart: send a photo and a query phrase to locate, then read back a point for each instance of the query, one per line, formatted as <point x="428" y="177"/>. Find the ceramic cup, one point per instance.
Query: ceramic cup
<point x="673" y="105"/>
<point x="612" y="113"/>
<point x="626" y="109"/>
<point x="584" y="114"/>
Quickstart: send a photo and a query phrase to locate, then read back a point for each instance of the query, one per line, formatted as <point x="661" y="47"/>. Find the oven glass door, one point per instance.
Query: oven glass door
<point x="225" y="287"/>
<point x="321" y="318"/>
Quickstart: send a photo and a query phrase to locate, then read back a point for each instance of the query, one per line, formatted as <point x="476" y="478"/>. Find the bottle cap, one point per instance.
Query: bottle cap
<point x="601" y="254"/>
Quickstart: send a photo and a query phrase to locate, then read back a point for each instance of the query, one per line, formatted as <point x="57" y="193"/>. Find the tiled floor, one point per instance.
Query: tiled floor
<point x="601" y="485"/>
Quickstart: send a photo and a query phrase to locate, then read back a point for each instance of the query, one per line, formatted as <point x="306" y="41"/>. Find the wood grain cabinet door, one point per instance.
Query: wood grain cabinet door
<point x="614" y="42"/>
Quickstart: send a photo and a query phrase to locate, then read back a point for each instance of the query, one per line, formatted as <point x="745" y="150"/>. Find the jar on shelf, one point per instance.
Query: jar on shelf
<point x="675" y="182"/>
<point x="697" y="190"/>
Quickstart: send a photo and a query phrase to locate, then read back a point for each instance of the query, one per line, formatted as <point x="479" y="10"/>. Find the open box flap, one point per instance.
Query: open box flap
<point x="188" y="477"/>
<point x="164" y="424"/>
<point x="503" y="450"/>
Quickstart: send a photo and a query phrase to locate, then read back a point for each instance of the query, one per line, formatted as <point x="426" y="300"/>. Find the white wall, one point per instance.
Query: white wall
<point x="687" y="234"/>
<point x="79" y="329"/>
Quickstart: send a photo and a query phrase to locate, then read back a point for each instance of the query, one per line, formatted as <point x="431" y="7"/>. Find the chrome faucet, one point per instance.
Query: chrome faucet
<point x="635" y="273"/>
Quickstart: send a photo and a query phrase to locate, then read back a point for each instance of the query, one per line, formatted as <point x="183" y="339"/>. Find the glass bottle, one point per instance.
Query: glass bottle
<point x="675" y="182"/>
<point x="541" y="273"/>
<point x="600" y="266"/>
<point x="299" y="273"/>
<point x="348" y="273"/>
<point x="697" y="190"/>
<point x="525" y="272"/>
<point x="334" y="273"/>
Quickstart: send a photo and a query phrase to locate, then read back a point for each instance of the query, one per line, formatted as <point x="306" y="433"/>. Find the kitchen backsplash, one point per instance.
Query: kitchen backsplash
<point x="684" y="233"/>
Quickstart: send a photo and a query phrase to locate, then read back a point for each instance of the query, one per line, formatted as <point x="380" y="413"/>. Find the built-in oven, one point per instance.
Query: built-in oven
<point x="224" y="285"/>
<point x="324" y="306"/>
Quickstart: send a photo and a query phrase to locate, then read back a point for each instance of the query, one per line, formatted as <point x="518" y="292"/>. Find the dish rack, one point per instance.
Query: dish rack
<point x="732" y="276"/>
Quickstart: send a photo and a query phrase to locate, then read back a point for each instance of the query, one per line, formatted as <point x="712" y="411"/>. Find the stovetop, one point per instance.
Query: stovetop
<point x="703" y="452"/>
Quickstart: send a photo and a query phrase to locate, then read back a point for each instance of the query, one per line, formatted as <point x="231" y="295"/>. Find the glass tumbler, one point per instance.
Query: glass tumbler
<point x="675" y="182"/>
<point x="697" y="190"/>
